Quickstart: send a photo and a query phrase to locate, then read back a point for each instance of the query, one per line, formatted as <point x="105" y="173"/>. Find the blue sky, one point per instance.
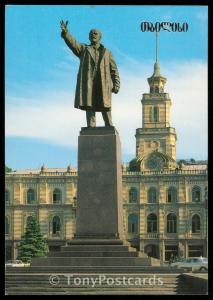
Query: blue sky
<point x="42" y="125"/>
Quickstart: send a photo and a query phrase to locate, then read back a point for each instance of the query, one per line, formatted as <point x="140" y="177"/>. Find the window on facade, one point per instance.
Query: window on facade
<point x="133" y="223"/>
<point x="133" y="195"/>
<point x="7" y="196"/>
<point x="7" y="225"/>
<point x="152" y="195"/>
<point x="156" y="114"/>
<point x="195" y="224"/>
<point x="150" y="114"/>
<point x="30" y="196"/>
<point x="195" y="251"/>
<point x="152" y="223"/>
<point x="56" y="225"/>
<point x="172" y="195"/>
<point x="171" y="223"/>
<point x="56" y="196"/>
<point x="29" y="219"/>
<point x="196" y="194"/>
<point x="156" y="89"/>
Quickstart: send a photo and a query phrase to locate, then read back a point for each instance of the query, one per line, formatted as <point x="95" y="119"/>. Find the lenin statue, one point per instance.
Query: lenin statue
<point x="97" y="76"/>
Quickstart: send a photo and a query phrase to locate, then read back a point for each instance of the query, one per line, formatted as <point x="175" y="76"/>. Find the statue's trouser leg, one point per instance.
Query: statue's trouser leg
<point x="107" y="116"/>
<point x="91" y="120"/>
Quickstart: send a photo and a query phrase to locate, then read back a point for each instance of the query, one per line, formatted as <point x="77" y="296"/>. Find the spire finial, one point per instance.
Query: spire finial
<point x="156" y="46"/>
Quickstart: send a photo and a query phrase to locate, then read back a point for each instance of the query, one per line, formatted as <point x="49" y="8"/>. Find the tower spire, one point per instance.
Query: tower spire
<point x="156" y="65"/>
<point x="156" y="81"/>
<point x="156" y="46"/>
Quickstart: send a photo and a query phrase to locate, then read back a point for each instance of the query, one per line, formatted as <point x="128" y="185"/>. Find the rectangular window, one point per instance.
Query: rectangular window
<point x="132" y="227"/>
<point x="195" y="251"/>
<point x="171" y="226"/>
<point x="170" y="251"/>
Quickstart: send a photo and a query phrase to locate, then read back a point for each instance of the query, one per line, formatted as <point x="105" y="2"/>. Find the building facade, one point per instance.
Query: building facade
<point x="164" y="200"/>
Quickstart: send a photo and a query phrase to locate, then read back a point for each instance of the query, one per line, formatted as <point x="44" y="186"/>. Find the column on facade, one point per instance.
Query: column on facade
<point x="17" y="192"/>
<point x="142" y="218"/>
<point x="161" y="222"/>
<point x="42" y="192"/>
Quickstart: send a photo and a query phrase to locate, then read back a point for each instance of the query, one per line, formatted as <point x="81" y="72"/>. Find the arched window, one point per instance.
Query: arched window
<point x="7" y="197"/>
<point x="133" y="195"/>
<point x="156" y="89"/>
<point x="150" y="114"/>
<point x="195" y="224"/>
<point x="152" y="195"/>
<point x="172" y="195"/>
<point x="56" y="225"/>
<point x="30" y="196"/>
<point x="7" y="225"/>
<point x="29" y="219"/>
<point x="155" y="114"/>
<point x="196" y="194"/>
<point x="133" y="223"/>
<point x="151" y="223"/>
<point x="56" y="196"/>
<point x="171" y="223"/>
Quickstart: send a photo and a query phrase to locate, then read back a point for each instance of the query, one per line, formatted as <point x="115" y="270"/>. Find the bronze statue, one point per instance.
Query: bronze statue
<point x="97" y="76"/>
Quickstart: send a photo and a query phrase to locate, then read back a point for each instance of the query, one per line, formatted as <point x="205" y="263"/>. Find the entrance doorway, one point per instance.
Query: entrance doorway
<point x="152" y="250"/>
<point x="8" y="253"/>
<point x="171" y="251"/>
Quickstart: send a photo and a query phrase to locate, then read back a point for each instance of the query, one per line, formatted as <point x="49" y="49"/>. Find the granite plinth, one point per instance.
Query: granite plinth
<point x="99" y="205"/>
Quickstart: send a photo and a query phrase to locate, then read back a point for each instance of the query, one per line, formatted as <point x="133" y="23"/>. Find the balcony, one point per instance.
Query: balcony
<point x="196" y="235"/>
<point x="171" y="235"/>
<point x="152" y="235"/>
<point x="56" y="235"/>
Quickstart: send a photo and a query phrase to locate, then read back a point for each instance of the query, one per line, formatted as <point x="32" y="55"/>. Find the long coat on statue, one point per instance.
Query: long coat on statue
<point x="107" y="73"/>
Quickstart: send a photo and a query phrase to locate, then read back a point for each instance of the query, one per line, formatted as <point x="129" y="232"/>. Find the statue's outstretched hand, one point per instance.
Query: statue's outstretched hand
<point x="64" y="27"/>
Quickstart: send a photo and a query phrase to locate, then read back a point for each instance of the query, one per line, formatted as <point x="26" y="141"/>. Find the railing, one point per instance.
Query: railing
<point x="155" y="95"/>
<point x="165" y="172"/>
<point x="58" y="234"/>
<point x="197" y="235"/>
<point x="124" y="173"/>
<point x="152" y="235"/>
<point x="155" y="127"/>
<point x="65" y="173"/>
<point x="171" y="235"/>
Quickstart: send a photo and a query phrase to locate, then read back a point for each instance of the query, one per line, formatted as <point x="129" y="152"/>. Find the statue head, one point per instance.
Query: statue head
<point x="95" y="36"/>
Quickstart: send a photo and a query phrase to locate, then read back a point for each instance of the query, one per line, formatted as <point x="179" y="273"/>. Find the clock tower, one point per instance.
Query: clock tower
<point x="156" y="140"/>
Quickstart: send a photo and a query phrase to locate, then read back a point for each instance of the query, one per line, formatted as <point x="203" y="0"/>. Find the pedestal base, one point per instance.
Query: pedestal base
<point x="99" y="204"/>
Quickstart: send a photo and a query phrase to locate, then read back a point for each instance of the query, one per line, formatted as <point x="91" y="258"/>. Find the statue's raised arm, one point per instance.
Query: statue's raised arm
<point x="71" y="42"/>
<point x="97" y="78"/>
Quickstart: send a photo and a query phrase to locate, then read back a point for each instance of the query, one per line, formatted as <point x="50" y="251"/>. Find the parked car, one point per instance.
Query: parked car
<point x="16" y="263"/>
<point x="195" y="263"/>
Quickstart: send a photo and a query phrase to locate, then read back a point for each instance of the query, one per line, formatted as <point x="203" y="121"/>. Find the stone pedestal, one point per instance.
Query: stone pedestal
<point x="98" y="245"/>
<point x="99" y="200"/>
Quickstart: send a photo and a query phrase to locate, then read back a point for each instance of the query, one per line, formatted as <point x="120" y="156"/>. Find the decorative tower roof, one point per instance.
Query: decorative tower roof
<point x="156" y="140"/>
<point x="43" y="168"/>
<point x="156" y="81"/>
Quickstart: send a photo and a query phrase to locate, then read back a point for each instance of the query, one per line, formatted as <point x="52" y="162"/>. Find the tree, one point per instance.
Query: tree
<point x="33" y="243"/>
<point x="7" y="169"/>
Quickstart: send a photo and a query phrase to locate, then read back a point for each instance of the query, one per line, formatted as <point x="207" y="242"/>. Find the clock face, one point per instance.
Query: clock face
<point x="154" y="163"/>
